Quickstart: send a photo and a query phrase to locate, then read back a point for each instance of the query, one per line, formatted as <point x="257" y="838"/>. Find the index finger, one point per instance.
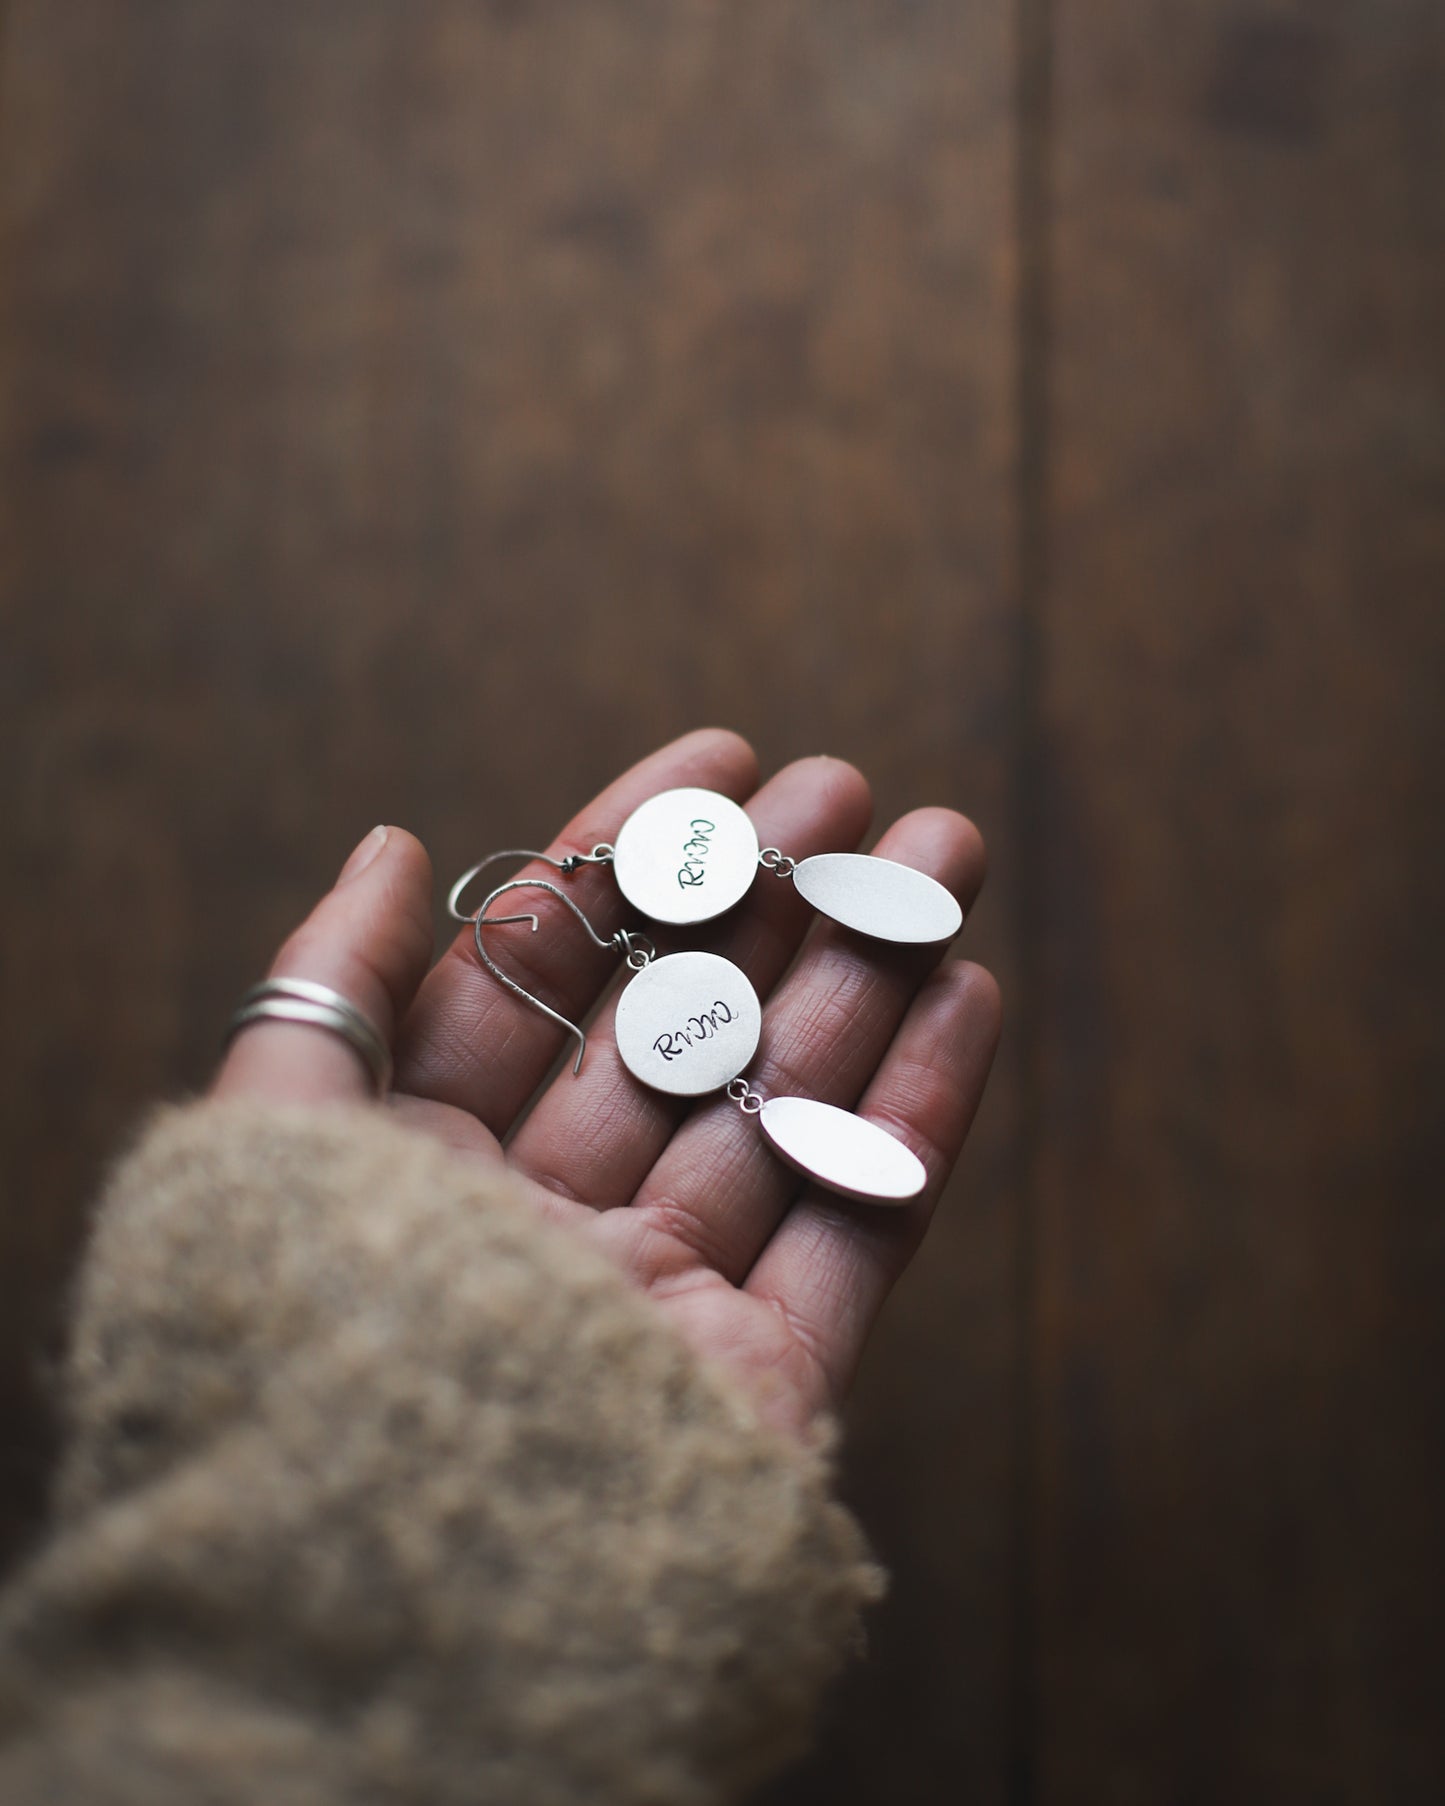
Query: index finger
<point x="468" y="1042"/>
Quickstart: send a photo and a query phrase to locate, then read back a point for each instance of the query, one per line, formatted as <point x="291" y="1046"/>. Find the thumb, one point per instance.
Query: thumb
<point x="370" y="938"/>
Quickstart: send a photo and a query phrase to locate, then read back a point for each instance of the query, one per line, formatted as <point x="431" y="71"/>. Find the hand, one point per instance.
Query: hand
<point x="778" y="1281"/>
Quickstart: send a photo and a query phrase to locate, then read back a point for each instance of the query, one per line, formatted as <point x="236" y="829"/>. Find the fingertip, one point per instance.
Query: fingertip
<point x="369" y="847"/>
<point x="960" y="1010"/>
<point x="847" y="790"/>
<point x="942" y="842"/>
<point x="980" y="1000"/>
<point x="394" y="934"/>
<point x="408" y="862"/>
<point x="408" y="874"/>
<point x="936" y="1070"/>
<point x="818" y="800"/>
<point x="709" y="758"/>
<point x="722" y="753"/>
<point x="402" y="844"/>
<point x="370" y="939"/>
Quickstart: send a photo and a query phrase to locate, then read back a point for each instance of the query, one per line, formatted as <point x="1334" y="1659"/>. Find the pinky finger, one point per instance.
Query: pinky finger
<point x="830" y="1265"/>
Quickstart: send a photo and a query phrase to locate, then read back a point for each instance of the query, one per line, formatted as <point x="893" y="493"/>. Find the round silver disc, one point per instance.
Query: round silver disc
<point x="844" y="1152"/>
<point x="686" y="856"/>
<point x="688" y="1023"/>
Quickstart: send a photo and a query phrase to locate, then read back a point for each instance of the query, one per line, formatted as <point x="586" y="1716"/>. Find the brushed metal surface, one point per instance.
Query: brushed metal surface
<point x="686" y="856"/>
<point x="879" y="897"/>
<point x="688" y="1023"/>
<point x="841" y="1151"/>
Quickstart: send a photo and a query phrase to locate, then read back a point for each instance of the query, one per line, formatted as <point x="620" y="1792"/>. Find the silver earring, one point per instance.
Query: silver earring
<point x="688" y="1024"/>
<point x="687" y="856"/>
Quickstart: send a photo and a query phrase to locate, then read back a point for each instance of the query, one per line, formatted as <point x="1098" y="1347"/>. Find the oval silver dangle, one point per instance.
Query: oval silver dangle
<point x="685" y="856"/>
<point x="688" y="1023"/>
<point x="841" y="1151"/>
<point x="879" y="897"/>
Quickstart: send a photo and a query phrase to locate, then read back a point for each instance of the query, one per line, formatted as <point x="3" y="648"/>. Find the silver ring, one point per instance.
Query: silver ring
<point x="318" y="1006"/>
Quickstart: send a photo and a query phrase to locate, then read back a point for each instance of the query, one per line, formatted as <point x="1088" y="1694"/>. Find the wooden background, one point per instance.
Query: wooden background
<point x="410" y="412"/>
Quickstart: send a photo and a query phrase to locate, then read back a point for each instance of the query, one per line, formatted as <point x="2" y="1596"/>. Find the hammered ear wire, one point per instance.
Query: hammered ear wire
<point x="621" y="942"/>
<point x="566" y="866"/>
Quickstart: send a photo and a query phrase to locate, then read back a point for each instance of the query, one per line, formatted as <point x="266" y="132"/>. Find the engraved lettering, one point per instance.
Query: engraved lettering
<point x="697" y="1028"/>
<point x="692" y="872"/>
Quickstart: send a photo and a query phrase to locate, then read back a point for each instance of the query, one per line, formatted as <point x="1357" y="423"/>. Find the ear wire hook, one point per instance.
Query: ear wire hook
<point x="635" y="948"/>
<point x="599" y="855"/>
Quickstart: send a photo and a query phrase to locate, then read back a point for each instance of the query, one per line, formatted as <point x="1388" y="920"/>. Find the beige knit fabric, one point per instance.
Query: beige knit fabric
<point x="380" y="1489"/>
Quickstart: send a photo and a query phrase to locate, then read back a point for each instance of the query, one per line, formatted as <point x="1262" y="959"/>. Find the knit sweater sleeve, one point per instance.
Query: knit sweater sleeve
<point x="379" y="1488"/>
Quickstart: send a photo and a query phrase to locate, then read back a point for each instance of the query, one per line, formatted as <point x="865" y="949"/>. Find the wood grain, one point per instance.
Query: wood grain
<point x="412" y="414"/>
<point x="1240" y="1458"/>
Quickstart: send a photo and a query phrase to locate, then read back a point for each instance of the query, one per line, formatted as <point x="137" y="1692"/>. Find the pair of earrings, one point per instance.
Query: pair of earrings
<point x="689" y="1023"/>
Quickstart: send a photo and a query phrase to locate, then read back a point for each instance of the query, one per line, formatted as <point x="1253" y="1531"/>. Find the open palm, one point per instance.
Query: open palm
<point x="776" y="1279"/>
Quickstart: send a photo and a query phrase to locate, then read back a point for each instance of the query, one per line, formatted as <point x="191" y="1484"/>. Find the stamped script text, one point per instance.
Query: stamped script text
<point x="692" y="871"/>
<point x="697" y="1028"/>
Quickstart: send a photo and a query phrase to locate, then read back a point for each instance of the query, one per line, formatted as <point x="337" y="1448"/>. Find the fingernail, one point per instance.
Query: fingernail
<point x="364" y="854"/>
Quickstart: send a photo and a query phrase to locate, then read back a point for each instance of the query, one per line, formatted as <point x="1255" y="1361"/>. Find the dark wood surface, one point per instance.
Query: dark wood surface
<point x="412" y="413"/>
<point x="1240" y="1432"/>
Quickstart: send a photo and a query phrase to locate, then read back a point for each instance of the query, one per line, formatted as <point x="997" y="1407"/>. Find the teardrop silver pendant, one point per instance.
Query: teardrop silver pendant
<point x="834" y="1148"/>
<point x="879" y="897"/>
<point x="841" y="1151"/>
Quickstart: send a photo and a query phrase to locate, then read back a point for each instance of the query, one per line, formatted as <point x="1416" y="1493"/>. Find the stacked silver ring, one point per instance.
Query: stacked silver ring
<point x="318" y="1006"/>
